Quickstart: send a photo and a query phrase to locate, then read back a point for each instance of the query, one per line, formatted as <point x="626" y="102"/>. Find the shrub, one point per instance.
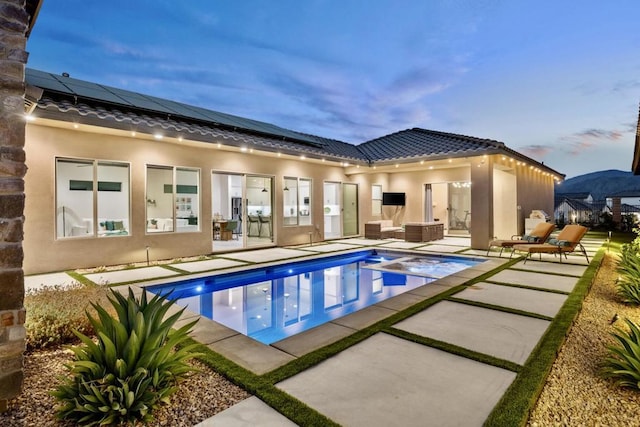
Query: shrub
<point x="54" y="312"/>
<point x="628" y="285"/>
<point x="623" y="365"/>
<point x="132" y="367"/>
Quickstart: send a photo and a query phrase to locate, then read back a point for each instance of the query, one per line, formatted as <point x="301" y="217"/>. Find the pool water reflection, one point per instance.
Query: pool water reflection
<point x="275" y="303"/>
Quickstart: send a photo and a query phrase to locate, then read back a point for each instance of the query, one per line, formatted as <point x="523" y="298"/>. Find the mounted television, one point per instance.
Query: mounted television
<point x="393" y="199"/>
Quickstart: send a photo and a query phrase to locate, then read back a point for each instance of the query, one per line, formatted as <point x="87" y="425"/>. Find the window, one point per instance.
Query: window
<point x="376" y="200"/>
<point x="297" y="201"/>
<point x="173" y="202"/>
<point x="92" y="198"/>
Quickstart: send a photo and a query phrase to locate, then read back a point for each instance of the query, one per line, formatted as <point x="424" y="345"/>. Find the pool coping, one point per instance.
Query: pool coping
<point x="261" y="358"/>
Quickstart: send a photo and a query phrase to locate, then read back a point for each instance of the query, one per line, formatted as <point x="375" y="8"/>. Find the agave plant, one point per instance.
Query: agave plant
<point x="623" y="363"/>
<point x="132" y="368"/>
<point x="628" y="285"/>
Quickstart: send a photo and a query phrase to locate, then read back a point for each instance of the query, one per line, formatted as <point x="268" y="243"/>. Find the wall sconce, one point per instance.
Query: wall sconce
<point x="286" y="188"/>
<point x="151" y="202"/>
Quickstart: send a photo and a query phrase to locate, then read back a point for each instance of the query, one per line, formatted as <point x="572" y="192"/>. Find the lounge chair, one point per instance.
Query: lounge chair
<point x="567" y="241"/>
<point x="538" y="235"/>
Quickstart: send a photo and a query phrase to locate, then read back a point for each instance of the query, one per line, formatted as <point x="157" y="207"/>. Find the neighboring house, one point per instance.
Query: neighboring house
<point x="575" y="211"/>
<point x="115" y="176"/>
<point x="583" y="197"/>
<point x="631" y="198"/>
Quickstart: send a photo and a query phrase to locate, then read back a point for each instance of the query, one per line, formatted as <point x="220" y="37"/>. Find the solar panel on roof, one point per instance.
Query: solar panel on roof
<point x="45" y="81"/>
<point x="96" y="93"/>
<point x="141" y="101"/>
<point x="84" y="89"/>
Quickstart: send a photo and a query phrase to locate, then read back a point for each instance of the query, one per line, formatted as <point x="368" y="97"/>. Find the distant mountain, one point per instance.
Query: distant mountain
<point x="601" y="184"/>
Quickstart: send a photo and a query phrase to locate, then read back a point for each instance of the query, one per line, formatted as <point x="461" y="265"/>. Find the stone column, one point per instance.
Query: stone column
<point x="616" y="211"/>
<point x="14" y="22"/>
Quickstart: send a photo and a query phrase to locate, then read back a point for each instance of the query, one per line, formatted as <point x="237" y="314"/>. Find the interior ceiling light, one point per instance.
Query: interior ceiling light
<point x="158" y="136"/>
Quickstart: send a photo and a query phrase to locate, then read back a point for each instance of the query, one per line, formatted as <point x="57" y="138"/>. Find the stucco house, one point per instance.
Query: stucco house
<point x="115" y="176"/>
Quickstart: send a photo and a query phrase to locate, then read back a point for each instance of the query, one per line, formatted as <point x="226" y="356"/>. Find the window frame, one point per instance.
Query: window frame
<point x="301" y="209"/>
<point x="156" y="223"/>
<point x="90" y="220"/>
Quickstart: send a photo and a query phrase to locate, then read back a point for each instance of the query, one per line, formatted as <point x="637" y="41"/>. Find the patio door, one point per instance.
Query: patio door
<point x="332" y="210"/>
<point x="349" y="209"/>
<point x="241" y="207"/>
<point x="340" y="210"/>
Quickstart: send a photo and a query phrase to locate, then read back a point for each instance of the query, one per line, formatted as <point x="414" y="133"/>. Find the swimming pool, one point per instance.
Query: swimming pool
<point x="275" y="302"/>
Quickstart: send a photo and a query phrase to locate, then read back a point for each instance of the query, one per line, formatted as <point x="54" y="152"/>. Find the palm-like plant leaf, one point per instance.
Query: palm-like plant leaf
<point x="132" y="368"/>
<point x="623" y="363"/>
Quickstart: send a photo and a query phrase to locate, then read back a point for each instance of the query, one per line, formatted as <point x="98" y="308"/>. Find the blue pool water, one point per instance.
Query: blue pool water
<point x="272" y="303"/>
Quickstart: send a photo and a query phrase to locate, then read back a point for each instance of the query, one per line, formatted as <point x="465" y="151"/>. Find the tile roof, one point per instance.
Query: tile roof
<point x="102" y="105"/>
<point x="421" y="143"/>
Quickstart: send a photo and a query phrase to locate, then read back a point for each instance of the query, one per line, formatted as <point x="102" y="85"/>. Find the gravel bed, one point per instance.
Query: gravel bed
<point x="575" y="393"/>
<point x="202" y="395"/>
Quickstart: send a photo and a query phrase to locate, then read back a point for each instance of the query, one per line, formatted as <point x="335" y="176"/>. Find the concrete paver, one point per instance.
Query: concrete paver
<point x="329" y="247"/>
<point x="536" y="280"/>
<point x="265" y="255"/>
<point x="440" y="248"/>
<point x="248" y="413"/>
<point x="402" y="245"/>
<point x="503" y="335"/>
<point x="365" y="317"/>
<point x="552" y="267"/>
<point x="250" y="354"/>
<point x="400" y="302"/>
<point x="532" y="301"/>
<point x="38" y="281"/>
<point x="388" y="381"/>
<point x="210" y="264"/>
<point x="312" y="339"/>
<point x="129" y="275"/>
<point x="361" y="242"/>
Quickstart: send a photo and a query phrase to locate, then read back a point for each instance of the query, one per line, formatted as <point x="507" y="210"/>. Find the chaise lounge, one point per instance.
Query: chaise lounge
<point x="538" y="235"/>
<point x="567" y="241"/>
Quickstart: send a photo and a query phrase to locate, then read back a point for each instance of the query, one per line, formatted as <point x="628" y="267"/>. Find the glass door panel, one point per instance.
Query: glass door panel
<point x="459" y="195"/>
<point x="226" y="205"/>
<point x="332" y="210"/>
<point x="349" y="209"/>
<point x="259" y="210"/>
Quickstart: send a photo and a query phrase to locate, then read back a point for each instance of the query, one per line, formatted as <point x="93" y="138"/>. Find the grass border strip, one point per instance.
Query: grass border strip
<point x="532" y="288"/>
<point x="500" y="308"/>
<point x="280" y="401"/>
<point x="454" y="349"/>
<point x="516" y="404"/>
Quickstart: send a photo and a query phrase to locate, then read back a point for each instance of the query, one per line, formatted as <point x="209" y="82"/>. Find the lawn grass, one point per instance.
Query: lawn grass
<point x="514" y="407"/>
<point x="516" y="404"/>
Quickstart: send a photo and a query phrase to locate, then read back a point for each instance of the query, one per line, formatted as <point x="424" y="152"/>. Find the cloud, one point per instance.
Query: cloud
<point x="352" y="107"/>
<point x="578" y="142"/>
<point x="536" y="150"/>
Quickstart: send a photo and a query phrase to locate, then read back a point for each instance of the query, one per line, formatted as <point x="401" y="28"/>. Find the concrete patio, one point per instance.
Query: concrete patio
<point x="385" y="379"/>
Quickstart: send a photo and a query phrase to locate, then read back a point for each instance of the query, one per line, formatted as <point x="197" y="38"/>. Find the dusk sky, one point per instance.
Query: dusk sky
<point x="558" y="81"/>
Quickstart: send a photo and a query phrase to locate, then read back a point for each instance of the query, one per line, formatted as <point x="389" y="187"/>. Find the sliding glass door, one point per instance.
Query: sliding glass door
<point x="242" y="210"/>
